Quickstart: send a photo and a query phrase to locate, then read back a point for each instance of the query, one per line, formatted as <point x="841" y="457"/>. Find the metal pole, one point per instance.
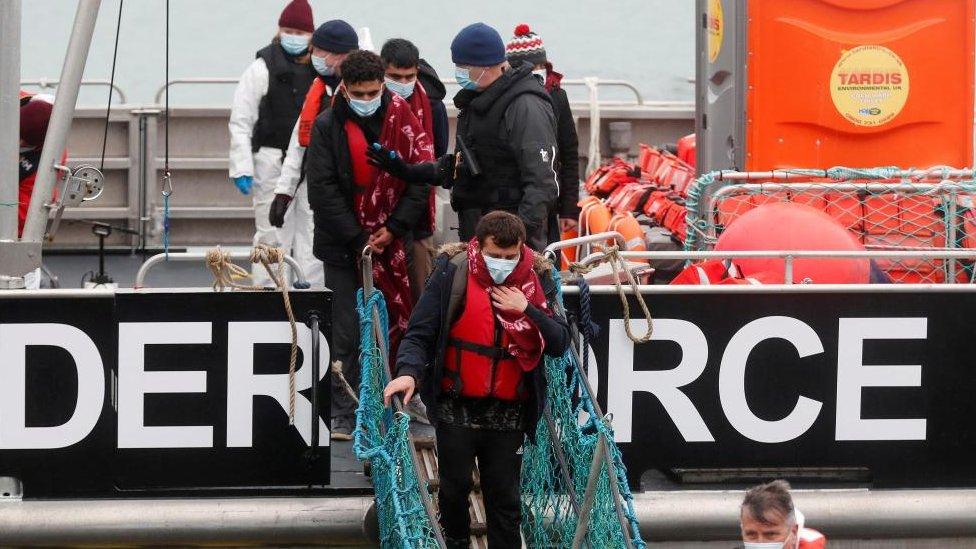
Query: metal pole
<point x="583" y="518"/>
<point x="313" y="320"/>
<point x="951" y="236"/>
<point x="557" y="447"/>
<point x="9" y="116"/>
<point x="61" y="116"/>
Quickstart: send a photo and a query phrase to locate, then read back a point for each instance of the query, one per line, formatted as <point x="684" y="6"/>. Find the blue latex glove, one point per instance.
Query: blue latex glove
<point x="244" y="183"/>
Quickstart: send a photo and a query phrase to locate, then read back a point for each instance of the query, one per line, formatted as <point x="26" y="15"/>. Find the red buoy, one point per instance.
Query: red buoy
<point x="792" y="227"/>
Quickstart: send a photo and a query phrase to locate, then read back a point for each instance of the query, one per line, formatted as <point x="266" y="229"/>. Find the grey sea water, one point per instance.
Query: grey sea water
<point x="648" y="42"/>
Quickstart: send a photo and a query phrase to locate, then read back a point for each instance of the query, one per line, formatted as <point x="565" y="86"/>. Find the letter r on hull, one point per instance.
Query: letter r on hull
<point x="623" y="381"/>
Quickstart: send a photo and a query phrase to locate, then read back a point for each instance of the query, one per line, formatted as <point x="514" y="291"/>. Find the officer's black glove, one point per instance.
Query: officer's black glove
<point x="276" y="216"/>
<point x="444" y="170"/>
<point x="391" y="163"/>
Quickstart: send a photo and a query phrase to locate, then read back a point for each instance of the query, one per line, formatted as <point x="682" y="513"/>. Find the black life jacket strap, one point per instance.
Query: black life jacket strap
<point x="497" y="353"/>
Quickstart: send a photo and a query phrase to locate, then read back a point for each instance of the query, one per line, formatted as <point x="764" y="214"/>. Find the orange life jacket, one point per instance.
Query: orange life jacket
<point x="628" y="227"/>
<point x="721" y="272"/>
<point x="568" y="255"/>
<point x="812" y="539"/>
<point x="477" y="363"/>
<point x="310" y="110"/>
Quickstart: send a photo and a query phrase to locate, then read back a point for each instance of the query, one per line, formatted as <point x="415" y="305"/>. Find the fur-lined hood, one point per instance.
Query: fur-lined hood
<point x="541" y="265"/>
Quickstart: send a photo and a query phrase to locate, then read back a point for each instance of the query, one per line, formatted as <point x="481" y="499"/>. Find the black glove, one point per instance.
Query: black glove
<point x="276" y="216"/>
<point x="444" y="170"/>
<point x="391" y="163"/>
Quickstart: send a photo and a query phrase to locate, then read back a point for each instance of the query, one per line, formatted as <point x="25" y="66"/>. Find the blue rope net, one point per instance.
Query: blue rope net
<point x="549" y="513"/>
<point x="383" y="439"/>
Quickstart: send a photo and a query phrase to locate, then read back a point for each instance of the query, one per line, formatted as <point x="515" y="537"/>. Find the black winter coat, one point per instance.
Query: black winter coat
<point x="421" y="352"/>
<point x="436" y="92"/>
<point x="339" y="238"/>
<point x="567" y="142"/>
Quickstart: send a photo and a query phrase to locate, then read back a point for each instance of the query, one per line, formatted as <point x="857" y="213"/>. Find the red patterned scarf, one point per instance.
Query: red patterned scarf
<point x="420" y="105"/>
<point x="553" y="78"/>
<point x="403" y="133"/>
<point x="526" y="340"/>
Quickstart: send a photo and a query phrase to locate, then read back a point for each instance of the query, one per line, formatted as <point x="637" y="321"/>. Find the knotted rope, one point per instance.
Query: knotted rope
<point x="611" y="256"/>
<point x="226" y="274"/>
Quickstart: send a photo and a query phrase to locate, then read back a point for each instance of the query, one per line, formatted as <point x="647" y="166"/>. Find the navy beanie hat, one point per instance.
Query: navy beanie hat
<point x="335" y="36"/>
<point x="478" y="45"/>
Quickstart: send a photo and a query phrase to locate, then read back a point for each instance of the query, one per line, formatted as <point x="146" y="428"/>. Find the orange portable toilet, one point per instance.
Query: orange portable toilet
<point x="821" y="83"/>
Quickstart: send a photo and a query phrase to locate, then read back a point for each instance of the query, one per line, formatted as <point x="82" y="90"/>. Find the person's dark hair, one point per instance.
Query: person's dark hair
<point x="772" y="496"/>
<point x="506" y="229"/>
<point x="400" y="53"/>
<point x="362" y="66"/>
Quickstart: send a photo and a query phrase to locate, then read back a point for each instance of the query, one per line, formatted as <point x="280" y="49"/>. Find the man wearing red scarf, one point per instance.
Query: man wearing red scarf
<point x="410" y="77"/>
<point x="356" y="205"/>
<point x="474" y="347"/>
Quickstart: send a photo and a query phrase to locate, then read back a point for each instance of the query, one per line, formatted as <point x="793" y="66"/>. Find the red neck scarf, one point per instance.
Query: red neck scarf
<point x="420" y="105"/>
<point x="526" y="340"/>
<point x="378" y="199"/>
<point x="553" y="78"/>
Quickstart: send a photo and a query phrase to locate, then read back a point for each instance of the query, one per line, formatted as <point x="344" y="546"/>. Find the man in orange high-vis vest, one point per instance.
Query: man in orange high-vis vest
<point x="770" y="520"/>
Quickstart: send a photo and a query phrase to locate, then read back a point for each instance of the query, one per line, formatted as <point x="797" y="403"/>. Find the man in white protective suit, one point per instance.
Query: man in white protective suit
<point x="267" y="103"/>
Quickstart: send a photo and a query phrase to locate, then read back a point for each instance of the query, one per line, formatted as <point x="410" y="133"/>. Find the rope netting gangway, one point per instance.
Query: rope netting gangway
<point x="574" y="483"/>
<point x="885" y="209"/>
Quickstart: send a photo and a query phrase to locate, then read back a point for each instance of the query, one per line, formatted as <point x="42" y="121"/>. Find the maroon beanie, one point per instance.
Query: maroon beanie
<point x="34" y="117"/>
<point x="297" y="15"/>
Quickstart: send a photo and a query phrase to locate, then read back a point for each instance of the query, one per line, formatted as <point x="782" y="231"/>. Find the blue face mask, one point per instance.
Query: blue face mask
<point x="366" y="108"/>
<point x="404" y="90"/>
<point x="322" y="67"/>
<point x="293" y="44"/>
<point x="463" y="77"/>
<point x="499" y="269"/>
<point x="763" y="545"/>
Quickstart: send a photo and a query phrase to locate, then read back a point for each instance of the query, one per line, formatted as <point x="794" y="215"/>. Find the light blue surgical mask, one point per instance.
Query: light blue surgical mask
<point x="463" y="77"/>
<point x="365" y="108"/>
<point x="499" y="269"/>
<point x="540" y="74"/>
<point x="322" y="67"/>
<point x="764" y="545"/>
<point x="404" y="90"/>
<point x="293" y="44"/>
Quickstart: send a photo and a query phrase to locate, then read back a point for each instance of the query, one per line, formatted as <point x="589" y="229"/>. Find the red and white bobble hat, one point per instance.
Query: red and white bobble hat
<point x="525" y="46"/>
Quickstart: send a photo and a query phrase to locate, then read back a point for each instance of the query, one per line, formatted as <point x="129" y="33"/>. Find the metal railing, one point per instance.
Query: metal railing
<point x="45" y="83"/>
<point x="550" y="251"/>
<point x="610" y="83"/>
<point x="790" y="256"/>
<point x="297" y="273"/>
<point x="202" y="80"/>
<point x="208" y="80"/>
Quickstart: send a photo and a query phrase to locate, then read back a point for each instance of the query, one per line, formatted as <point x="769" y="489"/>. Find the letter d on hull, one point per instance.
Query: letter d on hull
<point x="14" y="340"/>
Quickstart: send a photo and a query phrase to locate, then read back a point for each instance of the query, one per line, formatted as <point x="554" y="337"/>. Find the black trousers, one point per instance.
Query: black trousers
<point x="499" y="463"/>
<point x="344" y="281"/>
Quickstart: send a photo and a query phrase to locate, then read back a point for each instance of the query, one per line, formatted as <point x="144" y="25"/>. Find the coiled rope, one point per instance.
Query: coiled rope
<point x="611" y="256"/>
<point x="226" y="274"/>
